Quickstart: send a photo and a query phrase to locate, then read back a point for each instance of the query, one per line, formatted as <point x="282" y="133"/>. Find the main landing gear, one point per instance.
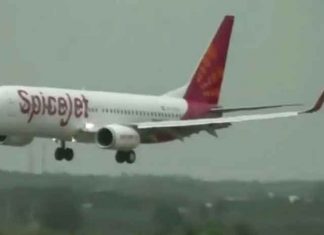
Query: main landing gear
<point x="64" y="153"/>
<point x="125" y="156"/>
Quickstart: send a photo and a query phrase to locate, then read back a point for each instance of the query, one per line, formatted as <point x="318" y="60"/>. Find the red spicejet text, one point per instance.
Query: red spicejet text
<point x="64" y="106"/>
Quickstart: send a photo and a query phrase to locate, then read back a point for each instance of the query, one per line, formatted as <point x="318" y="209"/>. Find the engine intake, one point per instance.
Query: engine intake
<point x="105" y="137"/>
<point x="117" y="137"/>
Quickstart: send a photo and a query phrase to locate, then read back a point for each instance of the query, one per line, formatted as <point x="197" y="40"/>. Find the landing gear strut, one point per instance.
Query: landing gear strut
<point x="125" y="156"/>
<point x="63" y="153"/>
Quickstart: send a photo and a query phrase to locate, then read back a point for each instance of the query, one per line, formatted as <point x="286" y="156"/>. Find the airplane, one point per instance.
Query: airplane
<point x="121" y="121"/>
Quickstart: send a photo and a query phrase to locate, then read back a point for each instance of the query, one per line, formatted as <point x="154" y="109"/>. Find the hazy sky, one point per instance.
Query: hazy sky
<point x="146" y="46"/>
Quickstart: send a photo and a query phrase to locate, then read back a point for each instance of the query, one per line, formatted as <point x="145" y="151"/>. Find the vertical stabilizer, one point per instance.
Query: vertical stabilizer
<point x="206" y="83"/>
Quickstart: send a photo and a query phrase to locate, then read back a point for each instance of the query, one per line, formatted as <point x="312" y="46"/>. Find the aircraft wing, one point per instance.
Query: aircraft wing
<point x="183" y="128"/>
<point x="226" y="120"/>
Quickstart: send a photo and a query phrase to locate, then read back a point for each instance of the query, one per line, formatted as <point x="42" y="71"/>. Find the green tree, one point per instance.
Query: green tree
<point x="166" y="217"/>
<point x="244" y="229"/>
<point x="61" y="211"/>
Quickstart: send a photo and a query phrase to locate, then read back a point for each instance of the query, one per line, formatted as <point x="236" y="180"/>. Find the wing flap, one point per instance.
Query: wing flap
<point x="228" y="110"/>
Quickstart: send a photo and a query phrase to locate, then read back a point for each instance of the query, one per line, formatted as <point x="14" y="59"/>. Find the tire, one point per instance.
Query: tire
<point x="69" y="154"/>
<point x="59" y="154"/>
<point x="131" y="157"/>
<point x="120" y="157"/>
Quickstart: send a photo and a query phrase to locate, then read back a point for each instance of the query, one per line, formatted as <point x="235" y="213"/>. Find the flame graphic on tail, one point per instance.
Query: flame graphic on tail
<point x="204" y="89"/>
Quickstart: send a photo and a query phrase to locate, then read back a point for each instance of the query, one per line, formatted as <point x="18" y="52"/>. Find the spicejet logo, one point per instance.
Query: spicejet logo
<point x="63" y="106"/>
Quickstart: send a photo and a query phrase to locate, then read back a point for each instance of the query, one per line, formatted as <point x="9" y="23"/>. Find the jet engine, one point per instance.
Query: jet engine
<point x="15" y="140"/>
<point x="117" y="137"/>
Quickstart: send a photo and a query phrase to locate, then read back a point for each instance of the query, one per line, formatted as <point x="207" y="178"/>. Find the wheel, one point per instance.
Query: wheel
<point x="120" y="157"/>
<point x="59" y="154"/>
<point x="131" y="157"/>
<point x="69" y="154"/>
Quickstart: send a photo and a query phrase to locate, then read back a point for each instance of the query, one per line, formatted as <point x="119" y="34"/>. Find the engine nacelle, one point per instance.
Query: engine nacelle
<point x="117" y="137"/>
<point x="15" y="140"/>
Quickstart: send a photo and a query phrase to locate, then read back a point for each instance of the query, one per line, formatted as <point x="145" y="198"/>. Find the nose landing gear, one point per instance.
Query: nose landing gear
<point x="64" y="153"/>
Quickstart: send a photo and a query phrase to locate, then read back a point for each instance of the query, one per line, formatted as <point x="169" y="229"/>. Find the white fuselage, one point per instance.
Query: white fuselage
<point x="61" y="113"/>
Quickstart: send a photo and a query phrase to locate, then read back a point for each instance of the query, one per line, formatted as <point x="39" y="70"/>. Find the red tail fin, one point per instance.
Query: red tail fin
<point x="206" y="83"/>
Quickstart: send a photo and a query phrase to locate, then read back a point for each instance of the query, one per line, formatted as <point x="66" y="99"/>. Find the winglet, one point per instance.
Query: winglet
<point x="318" y="105"/>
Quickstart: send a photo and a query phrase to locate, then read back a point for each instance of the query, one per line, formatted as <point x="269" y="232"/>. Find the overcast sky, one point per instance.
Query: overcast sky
<point x="146" y="46"/>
